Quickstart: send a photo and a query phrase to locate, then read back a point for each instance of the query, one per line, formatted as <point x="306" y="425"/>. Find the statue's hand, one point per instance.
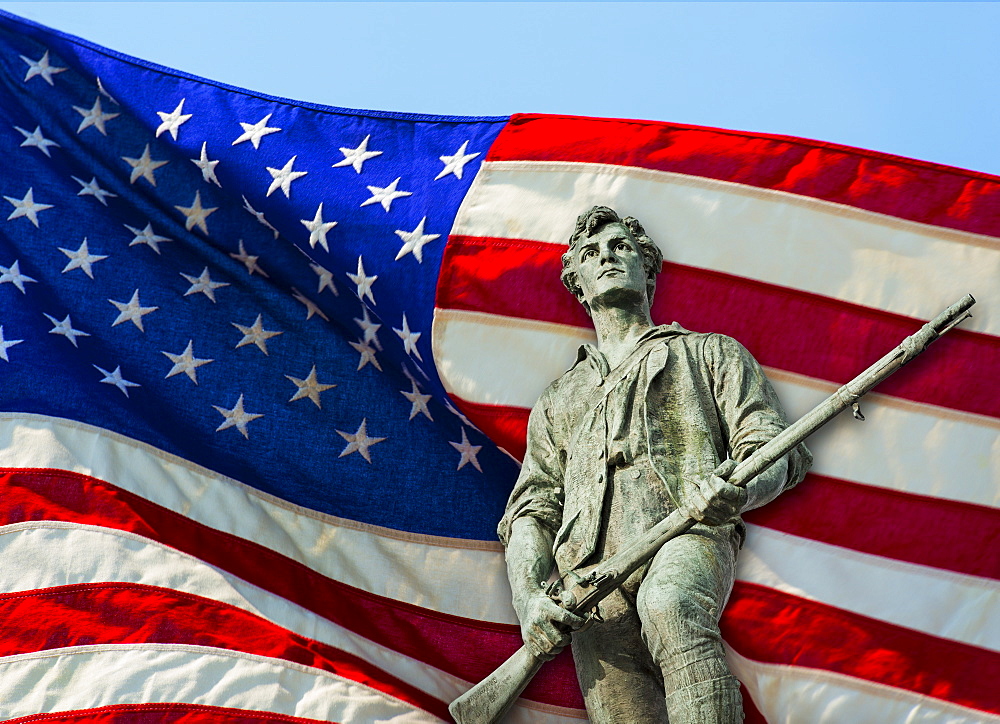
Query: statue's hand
<point x="714" y="501"/>
<point x="545" y="626"/>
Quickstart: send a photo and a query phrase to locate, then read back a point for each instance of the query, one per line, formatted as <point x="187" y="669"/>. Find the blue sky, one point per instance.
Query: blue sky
<point x="916" y="79"/>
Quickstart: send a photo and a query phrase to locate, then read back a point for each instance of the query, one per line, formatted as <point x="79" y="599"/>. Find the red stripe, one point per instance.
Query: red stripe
<point x="783" y="328"/>
<point x="905" y="188"/>
<point x="902" y="526"/>
<point x="129" y="613"/>
<point x="466" y="648"/>
<point x="775" y="628"/>
<point x="163" y="714"/>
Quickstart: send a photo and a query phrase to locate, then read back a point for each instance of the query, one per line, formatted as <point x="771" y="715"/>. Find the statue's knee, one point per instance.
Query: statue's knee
<point x="673" y="616"/>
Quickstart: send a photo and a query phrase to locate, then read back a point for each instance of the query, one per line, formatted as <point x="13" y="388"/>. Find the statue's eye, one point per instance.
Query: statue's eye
<point x="588" y="253"/>
<point x="622" y="246"/>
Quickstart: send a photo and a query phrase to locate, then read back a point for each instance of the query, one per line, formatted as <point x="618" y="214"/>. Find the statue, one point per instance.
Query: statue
<point x="632" y="432"/>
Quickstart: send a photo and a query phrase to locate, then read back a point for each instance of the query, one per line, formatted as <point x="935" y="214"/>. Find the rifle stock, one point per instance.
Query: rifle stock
<point x="489" y="700"/>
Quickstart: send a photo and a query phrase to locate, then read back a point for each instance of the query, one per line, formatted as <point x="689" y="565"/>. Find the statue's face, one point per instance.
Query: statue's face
<point x="610" y="266"/>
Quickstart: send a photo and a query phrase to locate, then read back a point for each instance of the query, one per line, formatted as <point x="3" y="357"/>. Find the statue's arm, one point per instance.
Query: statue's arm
<point x="751" y="415"/>
<point x="534" y="513"/>
<point x="545" y="626"/>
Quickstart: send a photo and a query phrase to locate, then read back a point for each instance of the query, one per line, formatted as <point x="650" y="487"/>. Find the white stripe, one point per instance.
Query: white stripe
<point x="506" y="361"/>
<point x="795" y="695"/>
<point x="86" y="677"/>
<point x="944" y="604"/>
<point x="781" y="238"/>
<point x="384" y="562"/>
<point x="44" y="554"/>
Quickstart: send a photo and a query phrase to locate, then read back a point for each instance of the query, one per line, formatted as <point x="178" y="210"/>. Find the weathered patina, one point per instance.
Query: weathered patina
<point x="632" y="432"/>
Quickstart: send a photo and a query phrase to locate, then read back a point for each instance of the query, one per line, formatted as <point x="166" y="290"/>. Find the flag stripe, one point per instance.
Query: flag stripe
<point x="922" y="530"/>
<point x="96" y="676"/>
<point x="776" y="238"/>
<point x="940" y="603"/>
<point x="507" y="362"/>
<point x="127" y="613"/>
<point x="924" y="192"/>
<point x="162" y="714"/>
<point x="784" y="328"/>
<point x="81" y="554"/>
<point x="773" y="627"/>
<point x="791" y="694"/>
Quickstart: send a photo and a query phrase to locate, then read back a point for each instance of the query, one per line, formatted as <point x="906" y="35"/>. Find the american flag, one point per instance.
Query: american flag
<point x="265" y="369"/>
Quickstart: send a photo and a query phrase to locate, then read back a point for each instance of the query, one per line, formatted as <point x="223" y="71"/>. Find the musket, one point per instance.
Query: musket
<point x="489" y="700"/>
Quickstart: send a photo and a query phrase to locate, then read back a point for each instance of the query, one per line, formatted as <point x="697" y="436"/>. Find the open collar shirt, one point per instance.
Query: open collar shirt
<point x="681" y="400"/>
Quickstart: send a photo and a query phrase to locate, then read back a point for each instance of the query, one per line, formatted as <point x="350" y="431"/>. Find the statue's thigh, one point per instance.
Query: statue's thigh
<point x="619" y="679"/>
<point x="684" y="591"/>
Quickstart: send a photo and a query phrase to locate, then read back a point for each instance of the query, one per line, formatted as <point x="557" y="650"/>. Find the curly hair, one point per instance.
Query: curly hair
<point x="588" y="224"/>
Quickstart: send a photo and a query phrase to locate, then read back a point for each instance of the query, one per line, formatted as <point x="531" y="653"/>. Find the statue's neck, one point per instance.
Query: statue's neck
<point x="619" y="329"/>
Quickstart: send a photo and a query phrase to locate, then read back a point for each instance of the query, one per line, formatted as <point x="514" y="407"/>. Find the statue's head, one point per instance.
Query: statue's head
<point x="601" y="224"/>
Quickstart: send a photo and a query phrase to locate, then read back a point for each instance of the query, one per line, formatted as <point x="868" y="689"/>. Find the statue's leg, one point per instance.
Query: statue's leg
<point x="679" y="603"/>
<point x="619" y="679"/>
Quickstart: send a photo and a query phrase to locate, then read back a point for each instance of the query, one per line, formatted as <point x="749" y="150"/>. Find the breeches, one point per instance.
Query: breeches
<point x="658" y="655"/>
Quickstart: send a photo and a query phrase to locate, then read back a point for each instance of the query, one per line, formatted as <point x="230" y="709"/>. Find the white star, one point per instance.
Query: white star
<point x="93" y="189"/>
<point x="207" y="167"/>
<point x="115" y="378"/>
<point x="255" y="334"/>
<point x="409" y="339"/>
<point x="143" y="166"/>
<point x="196" y="214"/>
<point x="385" y="196"/>
<point x="41" y="67"/>
<point x="454" y="164"/>
<point x="325" y="279"/>
<point x="6" y="344"/>
<point x="81" y="259"/>
<point x="317" y="227"/>
<point x="95" y="117"/>
<point x="13" y="275"/>
<point x="356" y="157"/>
<point x="147" y="237"/>
<point x="369" y="328"/>
<point x="36" y="139"/>
<point x="236" y="417"/>
<point x="253" y="132"/>
<point x="367" y="355"/>
<point x="26" y="207"/>
<point x="186" y="362"/>
<point x="173" y="121"/>
<point x="418" y="400"/>
<point x="131" y="311"/>
<point x="65" y="328"/>
<point x="359" y="442"/>
<point x="310" y="306"/>
<point x="103" y="91"/>
<point x="309" y="387"/>
<point x="414" y="241"/>
<point x="468" y="451"/>
<point x="363" y="282"/>
<point x="283" y="177"/>
<point x="259" y="216"/>
<point x="203" y="284"/>
<point x="249" y="261"/>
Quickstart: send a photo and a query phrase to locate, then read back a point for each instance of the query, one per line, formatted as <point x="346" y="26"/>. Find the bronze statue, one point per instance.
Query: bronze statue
<point x="633" y="431"/>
